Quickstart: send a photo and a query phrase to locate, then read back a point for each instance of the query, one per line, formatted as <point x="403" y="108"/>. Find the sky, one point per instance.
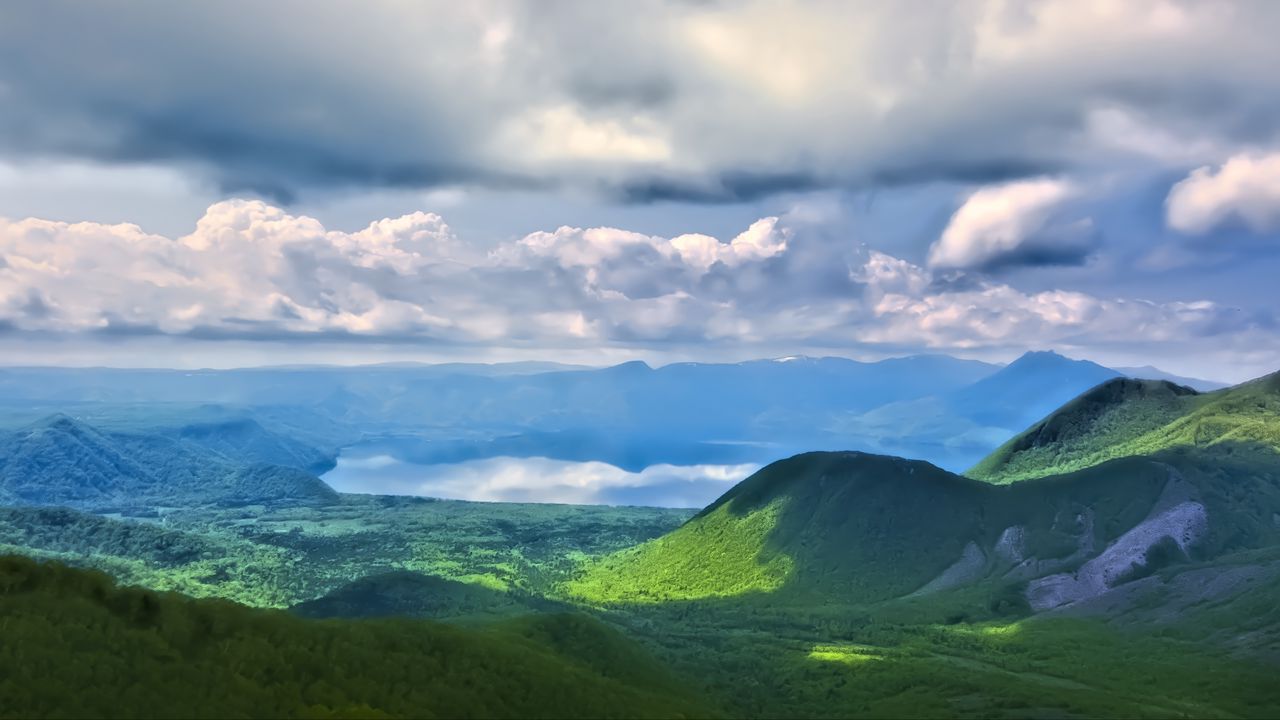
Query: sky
<point x="234" y="183"/>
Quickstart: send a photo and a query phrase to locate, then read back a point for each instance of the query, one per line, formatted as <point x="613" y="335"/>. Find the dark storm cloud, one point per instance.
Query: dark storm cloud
<point x="250" y="93"/>
<point x="1068" y="245"/>
<point x="695" y="102"/>
<point x="981" y="171"/>
<point x="728" y="187"/>
<point x="1039" y="256"/>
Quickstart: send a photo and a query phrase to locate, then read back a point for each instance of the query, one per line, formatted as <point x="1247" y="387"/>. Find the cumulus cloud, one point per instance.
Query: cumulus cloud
<point x="1013" y="224"/>
<point x="648" y="100"/>
<point x="255" y="271"/>
<point x="1245" y="189"/>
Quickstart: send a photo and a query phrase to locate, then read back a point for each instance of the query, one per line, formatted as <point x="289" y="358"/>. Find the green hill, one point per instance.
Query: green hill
<point x="75" y="645"/>
<point x="858" y="528"/>
<point x="853" y="524"/>
<point x="1123" y="418"/>
<point x="410" y="594"/>
<point x="61" y="530"/>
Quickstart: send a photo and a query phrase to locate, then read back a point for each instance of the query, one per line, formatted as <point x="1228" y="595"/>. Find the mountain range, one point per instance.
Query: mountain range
<point x="949" y="411"/>
<point x="61" y="461"/>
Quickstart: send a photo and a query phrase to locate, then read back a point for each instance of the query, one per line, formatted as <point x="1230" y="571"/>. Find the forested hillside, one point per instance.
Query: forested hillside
<point x="75" y="645"/>
<point x="62" y="461"/>
<point x="1140" y="581"/>
<point x="1134" y="417"/>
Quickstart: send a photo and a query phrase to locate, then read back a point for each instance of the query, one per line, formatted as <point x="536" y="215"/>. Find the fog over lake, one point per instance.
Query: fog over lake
<point x="536" y="479"/>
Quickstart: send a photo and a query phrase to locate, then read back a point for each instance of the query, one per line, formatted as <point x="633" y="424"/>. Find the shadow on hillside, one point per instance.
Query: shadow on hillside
<point x="404" y="593"/>
<point x="865" y="528"/>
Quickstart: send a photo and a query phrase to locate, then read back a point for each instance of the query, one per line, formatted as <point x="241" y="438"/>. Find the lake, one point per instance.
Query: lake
<point x="536" y="479"/>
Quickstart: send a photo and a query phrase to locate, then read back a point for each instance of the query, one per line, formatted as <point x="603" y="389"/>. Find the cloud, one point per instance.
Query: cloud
<point x="1245" y="189"/>
<point x="506" y="479"/>
<point x="705" y="102"/>
<point x="253" y="271"/>
<point x="1013" y="224"/>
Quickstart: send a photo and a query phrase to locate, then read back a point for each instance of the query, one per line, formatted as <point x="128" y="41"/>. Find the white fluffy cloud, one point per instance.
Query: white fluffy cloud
<point x="505" y="479"/>
<point x="1010" y="223"/>
<point x="1246" y="188"/>
<point x="251" y="270"/>
<point x="597" y="247"/>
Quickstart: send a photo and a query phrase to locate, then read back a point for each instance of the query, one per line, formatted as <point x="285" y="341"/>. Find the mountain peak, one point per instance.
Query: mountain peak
<point x="1042" y="357"/>
<point x="834" y="470"/>
<point x="1048" y="361"/>
<point x="59" y="421"/>
<point x="1150" y="372"/>
<point x="836" y="523"/>
<point x="631" y="366"/>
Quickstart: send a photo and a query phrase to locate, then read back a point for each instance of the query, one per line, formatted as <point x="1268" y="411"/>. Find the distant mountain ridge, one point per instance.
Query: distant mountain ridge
<point x="1027" y="388"/>
<point x="968" y="422"/>
<point x="1148" y="372"/>
<point x="61" y="461"/>
<point x="946" y="410"/>
<point x="245" y="440"/>
<point x="305" y="384"/>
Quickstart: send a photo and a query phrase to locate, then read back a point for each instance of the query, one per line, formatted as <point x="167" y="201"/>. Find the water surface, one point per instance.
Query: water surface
<point x="536" y="479"/>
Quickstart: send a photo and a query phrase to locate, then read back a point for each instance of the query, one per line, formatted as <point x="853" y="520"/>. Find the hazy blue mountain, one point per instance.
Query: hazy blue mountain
<point x="62" y="461"/>
<point x="1026" y="389"/>
<point x="524" y="388"/>
<point x="245" y="440"/>
<point x="942" y="409"/>
<point x="630" y="414"/>
<point x="956" y="429"/>
<point x="1147" y="372"/>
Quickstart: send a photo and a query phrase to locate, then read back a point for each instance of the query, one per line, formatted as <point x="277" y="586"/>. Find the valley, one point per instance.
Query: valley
<point x="673" y="359"/>
<point x="1121" y="557"/>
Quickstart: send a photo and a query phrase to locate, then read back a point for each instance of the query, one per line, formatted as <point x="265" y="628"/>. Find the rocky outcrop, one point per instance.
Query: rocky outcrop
<point x="1010" y="548"/>
<point x="1184" y="523"/>
<point x="970" y="567"/>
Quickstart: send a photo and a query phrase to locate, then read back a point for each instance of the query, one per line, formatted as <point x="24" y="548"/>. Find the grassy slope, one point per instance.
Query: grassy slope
<point x="785" y="653"/>
<point x="270" y="556"/>
<point x="917" y="660"/>
<point x="409" y="594"/>
<point x="1138" y="417"/>
<point x="857" y="528"/>
<point x="719" y="555"/>
<point x="818" y="645"/>
<point x="770" y="598"/>
<point x="76" y="645"/>
<point x="811" y="523"/>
